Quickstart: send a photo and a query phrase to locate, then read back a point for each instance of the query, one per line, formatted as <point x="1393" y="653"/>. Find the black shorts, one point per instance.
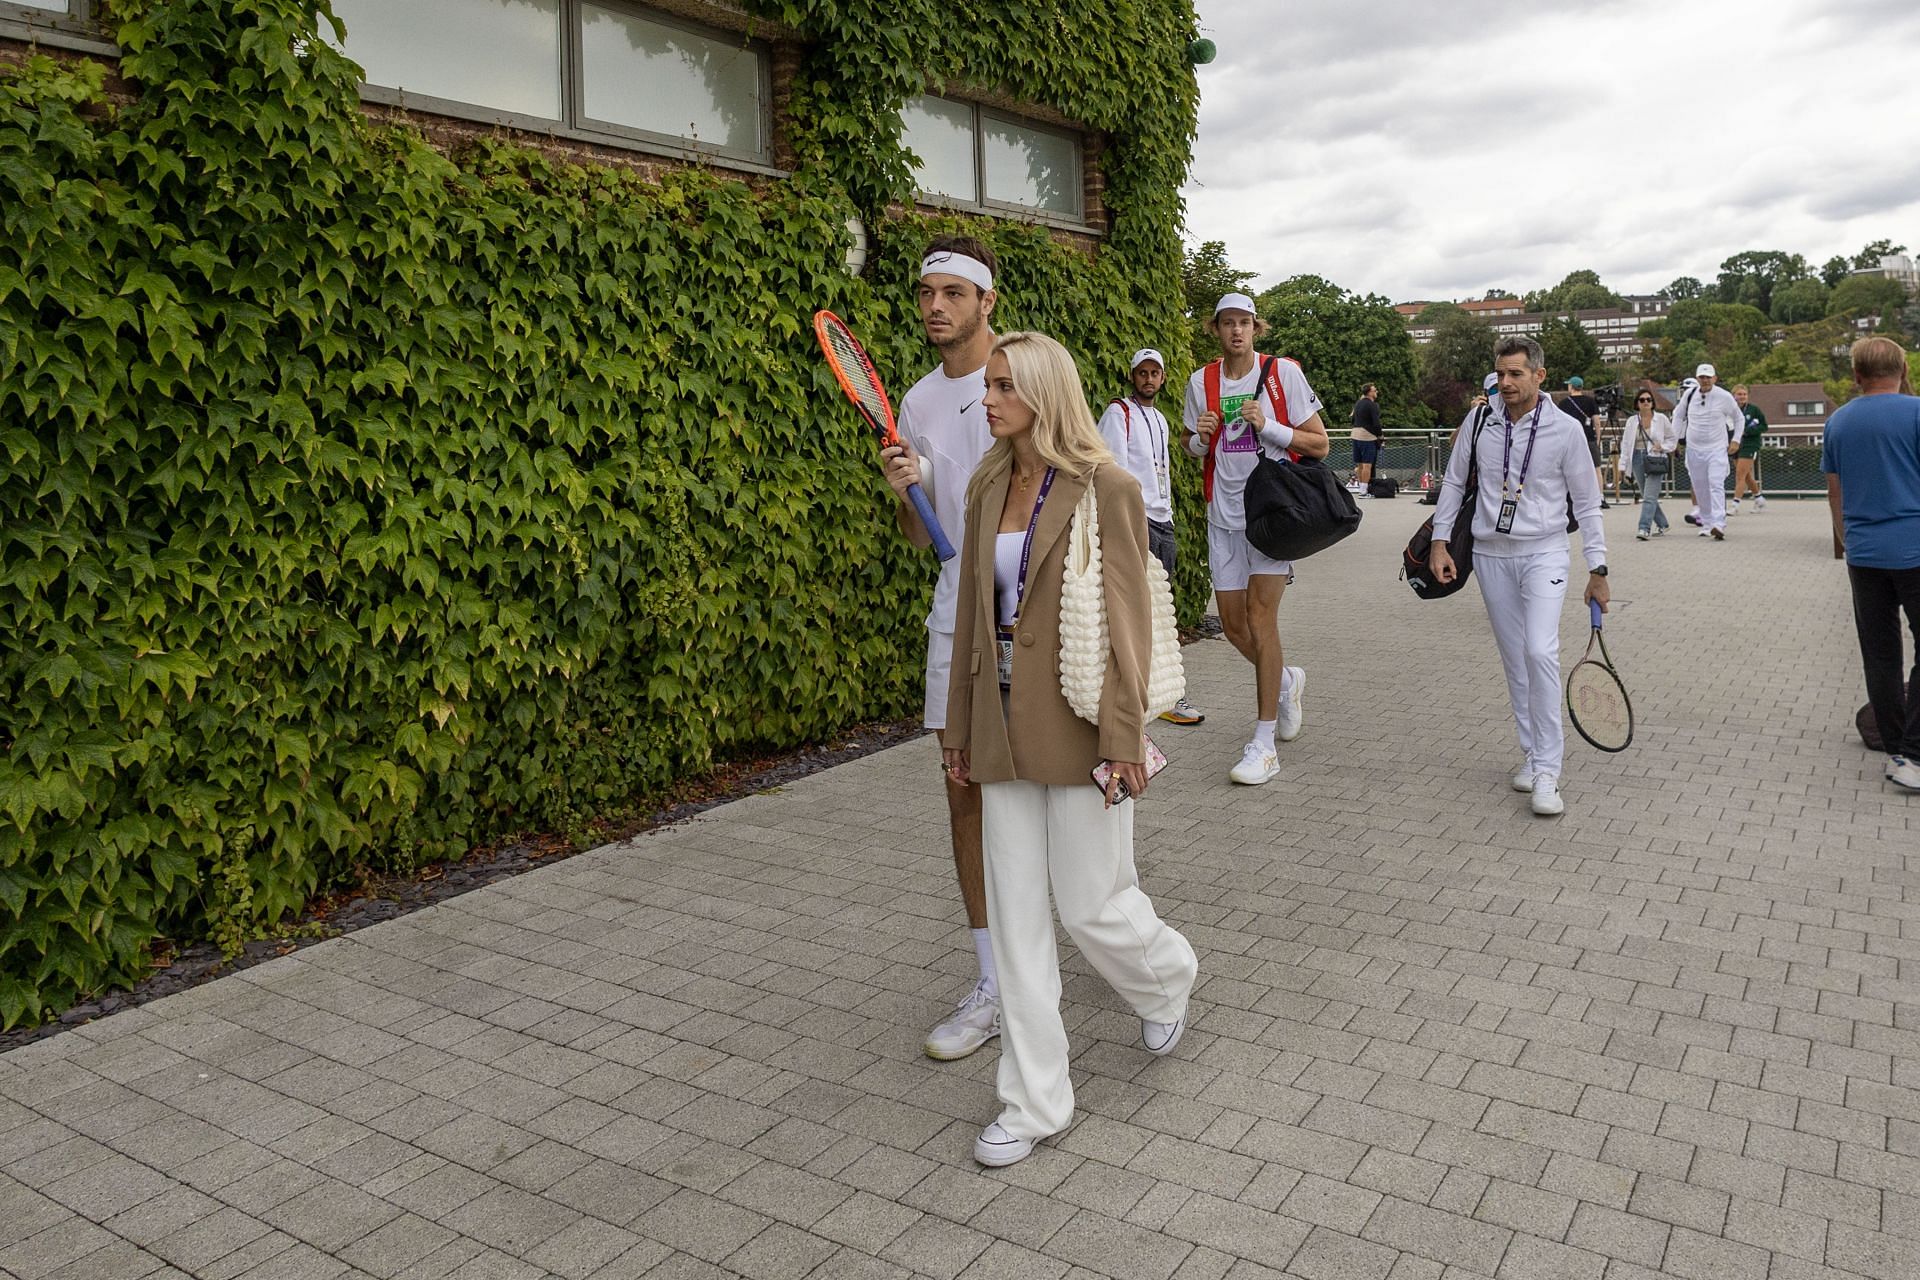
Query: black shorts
<point x="1366" y="452"/>
<point x="1593" y="449"/>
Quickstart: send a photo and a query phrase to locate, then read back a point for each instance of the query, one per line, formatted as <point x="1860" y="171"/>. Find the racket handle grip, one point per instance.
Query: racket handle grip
<point x="1593" y="611"/>
<point x="941" y="547"/>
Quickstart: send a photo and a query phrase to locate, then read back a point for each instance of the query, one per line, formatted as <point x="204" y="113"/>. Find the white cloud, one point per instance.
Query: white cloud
<point x="1428" y="150"/>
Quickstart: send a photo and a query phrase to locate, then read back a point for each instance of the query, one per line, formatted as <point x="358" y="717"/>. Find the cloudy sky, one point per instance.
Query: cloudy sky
<point x="1425" y="149"/>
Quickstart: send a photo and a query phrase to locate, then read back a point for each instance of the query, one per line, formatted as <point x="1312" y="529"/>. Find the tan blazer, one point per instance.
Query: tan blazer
<point x="1038" y="738"/>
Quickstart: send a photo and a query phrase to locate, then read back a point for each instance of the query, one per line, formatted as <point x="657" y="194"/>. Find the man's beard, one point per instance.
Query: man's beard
<point x="964" y="332"/>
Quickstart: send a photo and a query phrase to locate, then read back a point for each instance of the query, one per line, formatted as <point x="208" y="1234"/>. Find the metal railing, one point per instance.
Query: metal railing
<point x="1416" y="456"/>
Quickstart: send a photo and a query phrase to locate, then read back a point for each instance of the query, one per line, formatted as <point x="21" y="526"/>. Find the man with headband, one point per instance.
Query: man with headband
<point x="943" y="429"/>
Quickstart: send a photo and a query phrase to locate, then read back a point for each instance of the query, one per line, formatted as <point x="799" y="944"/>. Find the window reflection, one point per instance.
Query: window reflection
<point x="665" y="79"/>
<point x="503" y="54"/>
<point x="941" y="134"/>
<point x="1029" y="166"/>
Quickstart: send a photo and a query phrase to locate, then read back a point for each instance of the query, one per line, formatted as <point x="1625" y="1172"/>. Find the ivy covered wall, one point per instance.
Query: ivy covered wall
<point x="359" y="502"/>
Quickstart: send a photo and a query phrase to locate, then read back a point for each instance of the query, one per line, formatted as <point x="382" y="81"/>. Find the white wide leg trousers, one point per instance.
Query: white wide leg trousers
<point x="1707" y="469"/>
<point x="1524" y="596"/>
<point x="1035" y="836"/>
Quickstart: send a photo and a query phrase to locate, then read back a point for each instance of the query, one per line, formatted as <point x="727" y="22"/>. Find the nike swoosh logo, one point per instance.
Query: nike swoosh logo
<point x="968" y="405"/>
<point x="1557" y="581"/>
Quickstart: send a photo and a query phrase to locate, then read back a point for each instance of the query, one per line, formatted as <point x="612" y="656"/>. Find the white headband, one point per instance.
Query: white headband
<point x="945" y="262"/>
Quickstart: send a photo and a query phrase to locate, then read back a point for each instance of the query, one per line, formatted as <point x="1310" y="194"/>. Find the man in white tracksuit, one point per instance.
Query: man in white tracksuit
<point x="1709" y="421"/>
<point x="1532" y="459"/>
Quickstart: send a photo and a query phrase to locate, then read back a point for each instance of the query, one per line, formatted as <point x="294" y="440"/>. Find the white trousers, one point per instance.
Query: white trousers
<point x="1524" y="596"/>
<point x="1035" y="835"/>
<point x="1707" y="469"/>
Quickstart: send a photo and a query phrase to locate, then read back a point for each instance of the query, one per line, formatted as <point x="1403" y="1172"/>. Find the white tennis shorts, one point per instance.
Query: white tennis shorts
<point x="933" y="714"/>
<point x="1233" y="559"/>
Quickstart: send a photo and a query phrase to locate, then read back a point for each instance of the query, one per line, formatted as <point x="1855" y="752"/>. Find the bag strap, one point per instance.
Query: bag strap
<point x="1126" y="409"/>
<point x="1210" y="384"/>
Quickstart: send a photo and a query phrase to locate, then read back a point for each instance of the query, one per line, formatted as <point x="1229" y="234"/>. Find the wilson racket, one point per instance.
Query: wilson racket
<point x="854" y="371"/>
<point x="1596" y="700"/>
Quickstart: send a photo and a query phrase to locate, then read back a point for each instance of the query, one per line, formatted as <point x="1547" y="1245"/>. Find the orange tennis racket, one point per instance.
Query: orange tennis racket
<point x="853" y="370"/>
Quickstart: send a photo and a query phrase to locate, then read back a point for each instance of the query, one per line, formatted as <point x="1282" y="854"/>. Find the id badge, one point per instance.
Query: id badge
<point x="1505" y="523"/>
<point x="1160" y="476"/>
<point x="1004" y="652"/>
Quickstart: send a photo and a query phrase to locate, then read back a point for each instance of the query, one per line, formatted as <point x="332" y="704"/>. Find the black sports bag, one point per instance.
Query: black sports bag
<point x="1297" y="508"/>
<point x="1413" y="560"/>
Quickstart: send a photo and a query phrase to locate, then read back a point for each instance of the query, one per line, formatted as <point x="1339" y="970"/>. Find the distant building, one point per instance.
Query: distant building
<point x="1796" y="412"/>
<point x="1896" y="266"/>
<point x="1616" y="329"/>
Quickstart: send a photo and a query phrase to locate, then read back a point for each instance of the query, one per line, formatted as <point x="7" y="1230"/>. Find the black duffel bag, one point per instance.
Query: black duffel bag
<point x="1413" y="560"/>
<point x="1297" y="508"/>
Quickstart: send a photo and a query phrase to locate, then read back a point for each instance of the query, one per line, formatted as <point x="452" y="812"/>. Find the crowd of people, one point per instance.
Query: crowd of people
<point x="1000" y="435"/>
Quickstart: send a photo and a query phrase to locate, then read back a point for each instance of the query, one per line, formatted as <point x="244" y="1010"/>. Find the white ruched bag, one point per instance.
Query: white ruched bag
<point x="1083" y="624"/>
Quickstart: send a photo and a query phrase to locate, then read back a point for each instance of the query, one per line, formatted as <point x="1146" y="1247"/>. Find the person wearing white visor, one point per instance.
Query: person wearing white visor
<point x="1237" y="408"/>
<point x="1137" y="432"/>
<point x="1709" y="422"/>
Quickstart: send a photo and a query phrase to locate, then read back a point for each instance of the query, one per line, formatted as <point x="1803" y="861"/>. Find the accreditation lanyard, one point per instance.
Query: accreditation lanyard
<point x="1511" y="504"/>
<point x="1020" y="582"/>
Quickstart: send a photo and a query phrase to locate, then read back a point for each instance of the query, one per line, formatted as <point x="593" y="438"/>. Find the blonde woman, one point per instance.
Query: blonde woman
<point x="1011" y="733"/>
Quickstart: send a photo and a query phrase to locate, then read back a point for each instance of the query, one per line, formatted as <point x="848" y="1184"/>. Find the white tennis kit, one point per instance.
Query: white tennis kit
<point x="1230" y="557"/>
<point x="1138" y="436"/>
<point x="1707" y="423"/>
<point x="1523" y="572"/>
<point x="945" y="420"/>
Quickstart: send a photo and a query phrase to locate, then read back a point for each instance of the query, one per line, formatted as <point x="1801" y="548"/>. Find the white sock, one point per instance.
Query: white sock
<point x="1263" y="734"/>
<point x="983" y="948"/>
<point x="1286" y="680"/>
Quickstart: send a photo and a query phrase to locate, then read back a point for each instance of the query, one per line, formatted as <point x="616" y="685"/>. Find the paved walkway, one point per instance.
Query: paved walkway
<point x="1675" y="1033"/>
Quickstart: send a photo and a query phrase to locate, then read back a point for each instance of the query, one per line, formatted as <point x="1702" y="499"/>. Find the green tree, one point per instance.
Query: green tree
<point x="1869" y="296"/>
<point x="1784" y="364"/>
<point x="1835" y="270"/>
<point x="1580" y="291"/>
<point x="1343" y="341"/>
<point x="1206" y="275"/>
<point x="1500" y="295"/>
<point x="1682" y="289"/>
<point x="1750" y="278"/>
<point x="1799" y="302"/>
<point x="1571" y="350"/>
<point x="1454" y="362"/>
<point x="1869" y="258"/>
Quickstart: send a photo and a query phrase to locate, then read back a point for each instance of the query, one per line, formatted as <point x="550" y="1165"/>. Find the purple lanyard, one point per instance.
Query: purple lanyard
<point x="1026" y="548"/>
<point x="1506" y="458"/>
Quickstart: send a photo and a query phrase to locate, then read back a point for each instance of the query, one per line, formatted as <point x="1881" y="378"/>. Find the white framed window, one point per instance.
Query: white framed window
<point x="983" y="158"/>
<point x="607" y="70"/>
<point x="1806" y="409"/>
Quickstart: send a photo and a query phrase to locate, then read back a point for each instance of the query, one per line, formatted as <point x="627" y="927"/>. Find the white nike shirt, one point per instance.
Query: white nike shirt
<point x="945" y="420"/>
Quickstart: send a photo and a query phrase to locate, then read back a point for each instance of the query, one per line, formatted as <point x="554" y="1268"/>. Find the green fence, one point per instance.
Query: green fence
<point x="1417" y="456"/>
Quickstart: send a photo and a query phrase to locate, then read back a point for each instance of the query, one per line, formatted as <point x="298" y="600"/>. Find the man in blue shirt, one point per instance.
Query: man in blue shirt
<point x="1872" y="461"/>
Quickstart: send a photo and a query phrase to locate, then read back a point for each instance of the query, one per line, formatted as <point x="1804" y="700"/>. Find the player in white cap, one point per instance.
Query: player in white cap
<point x="1237" y="408"/>
<point x="1137" y="432"/>
<point x="1709" y="423"/>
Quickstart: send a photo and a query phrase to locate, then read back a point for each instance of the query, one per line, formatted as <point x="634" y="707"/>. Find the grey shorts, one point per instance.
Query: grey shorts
<point x="1160" y="542"/>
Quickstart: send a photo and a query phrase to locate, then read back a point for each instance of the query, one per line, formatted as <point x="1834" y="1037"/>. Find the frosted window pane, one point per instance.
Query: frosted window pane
<point x="941" y="134"/>
<point x="55" y="6"/>
<point x="503" y="54"/>
<point x="1032" y="167"/>
<point x="665" y="79"/>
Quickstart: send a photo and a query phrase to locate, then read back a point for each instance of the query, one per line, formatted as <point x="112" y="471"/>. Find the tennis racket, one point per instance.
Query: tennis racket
<point x="1596" y="700"/>
<point x="854" y="371"/>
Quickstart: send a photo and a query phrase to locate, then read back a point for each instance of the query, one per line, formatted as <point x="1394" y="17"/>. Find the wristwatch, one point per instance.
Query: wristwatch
<point x="1598" y="571"/>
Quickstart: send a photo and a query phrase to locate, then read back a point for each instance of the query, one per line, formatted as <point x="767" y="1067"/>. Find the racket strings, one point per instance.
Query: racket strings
<point x="857" y="373"/>
<point x="1598" y="704"/>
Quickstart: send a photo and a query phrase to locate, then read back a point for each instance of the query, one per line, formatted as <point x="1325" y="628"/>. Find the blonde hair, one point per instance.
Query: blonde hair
<point x="1878" y="359"/>
<point x="1065" y="433"/>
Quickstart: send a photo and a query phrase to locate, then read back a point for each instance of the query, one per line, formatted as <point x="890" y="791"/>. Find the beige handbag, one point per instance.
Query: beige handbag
<point x="1083" y="624"/>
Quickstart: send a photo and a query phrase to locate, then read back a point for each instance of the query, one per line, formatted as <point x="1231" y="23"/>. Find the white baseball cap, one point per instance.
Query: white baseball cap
<point x="1690" y="382"/>
<point x="1143" y="355"/>
<point x="1705" y="371"/>
<point x="1235" y="302"/>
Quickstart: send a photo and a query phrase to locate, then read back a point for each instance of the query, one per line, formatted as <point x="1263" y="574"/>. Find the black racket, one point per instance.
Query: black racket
<point x="1596" y="700"/>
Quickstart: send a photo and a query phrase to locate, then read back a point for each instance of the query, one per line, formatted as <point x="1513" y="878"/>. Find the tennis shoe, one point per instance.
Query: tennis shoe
<point x="996" y="1148"/>
<point x="1641" y="535"/>
<point x="1161" y="1037"/>
<point x="1182" y="712"/>
<point x="1693" y="517"/>
<point x="1523" y="778"/>
<point x="974" y="1022"/>
<point x="1733" y="508"/>
<point x="1703" y="533"/>
<point x="1660" y="532"/>
<point x="1719" y="535"/>
<point x="1256" y="766"/>
<point x="1293" y="709"/>
<point x="1903" y="772"/>
<point x="1759" y="504"/>
<point x="1546" y="796"/>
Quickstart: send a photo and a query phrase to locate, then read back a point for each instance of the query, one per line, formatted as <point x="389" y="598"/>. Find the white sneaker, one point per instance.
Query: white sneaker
<point x="1903" y="772"/>
<point x="1734" y="508"/>
<point x="974" y="1022"/>
<point x="1161" y="1037"/>
<point x="1523" y="778"/>
<point x="1703" y="533"/>
<point x="996" y="1148"/>
<point x="1546" y="795"/>
<point x="1293" y="710"/>
<point x="1641" y="535"/>
<point x="1255" y="767"/>
<point x="1759" y="504"/>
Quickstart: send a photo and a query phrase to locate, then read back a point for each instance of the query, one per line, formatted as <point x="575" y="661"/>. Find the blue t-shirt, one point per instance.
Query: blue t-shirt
<point x="1873" y="445"/>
